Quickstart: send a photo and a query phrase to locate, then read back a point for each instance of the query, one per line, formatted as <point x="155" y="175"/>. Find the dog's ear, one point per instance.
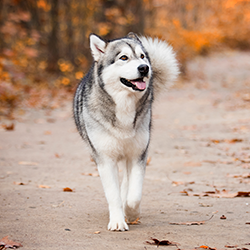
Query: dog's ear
<point x="133" y="36"/>
<point x="97" y="46"/>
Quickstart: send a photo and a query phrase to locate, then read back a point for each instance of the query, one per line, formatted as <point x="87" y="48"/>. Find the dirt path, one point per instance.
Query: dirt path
<point x="200" y="137"/>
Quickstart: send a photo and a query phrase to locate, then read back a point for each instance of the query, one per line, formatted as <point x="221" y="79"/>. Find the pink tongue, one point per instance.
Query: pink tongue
<point x="140" y="85"/>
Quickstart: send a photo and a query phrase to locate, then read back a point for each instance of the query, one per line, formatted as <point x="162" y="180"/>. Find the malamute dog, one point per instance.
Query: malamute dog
<point x="113" y="110"/>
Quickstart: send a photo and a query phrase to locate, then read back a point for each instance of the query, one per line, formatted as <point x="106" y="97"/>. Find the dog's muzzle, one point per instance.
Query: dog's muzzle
<point x="137" y="84"/>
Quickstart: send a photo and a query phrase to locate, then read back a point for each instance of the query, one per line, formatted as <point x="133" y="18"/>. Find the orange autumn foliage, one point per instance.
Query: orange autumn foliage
<point x="193" y="27"/>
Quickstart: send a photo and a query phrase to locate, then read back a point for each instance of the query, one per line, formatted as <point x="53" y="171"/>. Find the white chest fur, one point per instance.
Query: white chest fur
<point x="125" y="110"/>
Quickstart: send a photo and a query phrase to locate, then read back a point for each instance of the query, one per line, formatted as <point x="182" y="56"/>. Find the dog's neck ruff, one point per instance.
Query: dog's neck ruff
<point x="137" y="84"/>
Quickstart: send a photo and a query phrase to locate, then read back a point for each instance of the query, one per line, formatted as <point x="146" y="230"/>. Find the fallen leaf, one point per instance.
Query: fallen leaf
<point x="57" y="155"/>
<point x="67" y="189"/>
<point x="27" y="163"/>
<point x="91" y="174"/>
<point x="223" y="217"/>
<point x="6" y="243"/>
<point x="217" y="194"/>
<point x="206" y="247"/>
<point x="216" y="141"/>
<point x="9" y="127"/>
<point x="135" y="222"/>
<point x="244" y="160"/>
<point x="177" y="183"/>
<point x="248" y="223"/>
<point x="243" y="194"/>
<point x="148" y="160"/>
<point x="161" y="242"/>
<point x="19" y="183"/>
<point x="97" y="232"/>
<point x="231" y="246"/>
<point x="234" y="140"/>
<point x="245" y="175"/>
<point x="190" y="223"/>
<point x="43" y="186"/>
<point x="203" y="246"/>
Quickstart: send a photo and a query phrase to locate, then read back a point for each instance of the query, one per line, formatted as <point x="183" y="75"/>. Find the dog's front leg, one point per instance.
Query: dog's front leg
<point x="110" y="181"/>
<point x="132" y="206"/>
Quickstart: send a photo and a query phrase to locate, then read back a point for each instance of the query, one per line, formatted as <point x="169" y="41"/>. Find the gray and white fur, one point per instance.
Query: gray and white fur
<point x="113" y="111"/>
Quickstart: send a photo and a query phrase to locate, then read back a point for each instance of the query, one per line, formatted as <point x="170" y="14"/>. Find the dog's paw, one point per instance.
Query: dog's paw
<point x="118" y="225"/>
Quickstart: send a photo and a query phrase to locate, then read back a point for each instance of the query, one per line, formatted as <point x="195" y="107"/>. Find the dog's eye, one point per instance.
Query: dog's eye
<point x="124" y="58"/>
<point x="142" y="56"/>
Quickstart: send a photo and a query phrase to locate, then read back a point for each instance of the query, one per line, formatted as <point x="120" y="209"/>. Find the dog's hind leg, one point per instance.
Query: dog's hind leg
<point x="136" y="176"/>
<point x="110" y="180"/>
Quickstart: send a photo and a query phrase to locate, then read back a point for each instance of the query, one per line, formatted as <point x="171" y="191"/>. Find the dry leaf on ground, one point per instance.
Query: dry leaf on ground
<point x="135" y="222"/>
<point x="206" y="247"/>
<point x="243" y="178"/>
<point x="57" y="155"/>
<point x="217" y="194"/>
<point x="67" y="189"/>
<point x="161" y="242"/>
<point x="246" y="175"/>
<point x="177" y="183"/>
<point x="223" y="217"/>
<point x="9" y="127"/>
<point x="6" y="243"/>
<point x="148" y="160"/>
<point x="19" y="183"/>
<point x="91" y="174"/>
<point x="234" y="140"/>
<point x="43" y="186"/>
<point x="190" y="223"/>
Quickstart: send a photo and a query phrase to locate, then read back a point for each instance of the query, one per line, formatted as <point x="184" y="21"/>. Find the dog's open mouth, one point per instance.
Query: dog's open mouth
<point x="136" y="84"/>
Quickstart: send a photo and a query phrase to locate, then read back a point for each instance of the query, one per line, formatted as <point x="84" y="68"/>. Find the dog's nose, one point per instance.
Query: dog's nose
<point x="143" y="69"/>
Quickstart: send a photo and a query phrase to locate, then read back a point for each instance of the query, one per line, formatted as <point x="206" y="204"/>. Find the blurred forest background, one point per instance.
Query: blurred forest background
<point x="44" y="44"/>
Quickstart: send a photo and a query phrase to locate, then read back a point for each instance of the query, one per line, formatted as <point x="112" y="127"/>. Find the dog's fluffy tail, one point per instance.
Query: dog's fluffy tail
<point x="163" y="62"/>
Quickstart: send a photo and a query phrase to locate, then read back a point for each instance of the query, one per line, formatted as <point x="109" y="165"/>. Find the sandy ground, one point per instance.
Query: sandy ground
<point x="200" y="142"/>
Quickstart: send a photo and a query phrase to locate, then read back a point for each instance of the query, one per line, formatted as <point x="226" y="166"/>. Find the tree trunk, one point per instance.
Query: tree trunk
<point x="53" y="45"/>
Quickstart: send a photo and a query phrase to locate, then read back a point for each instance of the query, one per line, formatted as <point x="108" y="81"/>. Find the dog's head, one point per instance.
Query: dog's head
<point x="122" y="63"/>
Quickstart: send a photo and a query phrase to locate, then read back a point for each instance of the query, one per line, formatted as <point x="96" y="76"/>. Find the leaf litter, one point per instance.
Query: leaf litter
<point x="217" y="193"/>
<point x="135" y="222"/>
<point x="91" y="174"/>
<point x="157" y="242"/>
<point x="67" y="189"/>
<point x="190" y="223"/>
<point x="44" y="186"/>
<point x="5" y="243"/>
<point x="9" y="127"/>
